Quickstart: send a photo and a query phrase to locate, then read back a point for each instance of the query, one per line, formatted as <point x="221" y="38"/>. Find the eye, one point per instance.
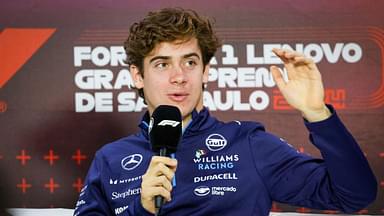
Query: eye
<point x="161" y="65"/>
<point x="190" y="63"/>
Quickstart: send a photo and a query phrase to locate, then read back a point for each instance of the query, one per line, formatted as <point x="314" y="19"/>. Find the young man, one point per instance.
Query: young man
<point x="168" y="54"/>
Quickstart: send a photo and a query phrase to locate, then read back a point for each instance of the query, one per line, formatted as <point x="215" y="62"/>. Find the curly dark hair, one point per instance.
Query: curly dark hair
<point x="168" y="25"/>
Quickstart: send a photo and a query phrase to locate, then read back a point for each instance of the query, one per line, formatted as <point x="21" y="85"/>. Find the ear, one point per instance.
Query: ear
<point x="206" y="73"/>
<point x="137" y="77"/>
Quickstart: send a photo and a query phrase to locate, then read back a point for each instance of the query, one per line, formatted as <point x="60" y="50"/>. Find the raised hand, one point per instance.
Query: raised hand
<point x="304" y="89"/>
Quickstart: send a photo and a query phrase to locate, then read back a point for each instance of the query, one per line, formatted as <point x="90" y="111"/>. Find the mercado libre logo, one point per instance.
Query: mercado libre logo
<point x="350" y="60"/>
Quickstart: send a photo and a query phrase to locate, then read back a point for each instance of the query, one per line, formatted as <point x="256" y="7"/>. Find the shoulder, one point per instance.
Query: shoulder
<point x="242" y="127"/>
<point x="255" y="134"/>
<point x="238" y="131"/>
<point x="124" y="146"/>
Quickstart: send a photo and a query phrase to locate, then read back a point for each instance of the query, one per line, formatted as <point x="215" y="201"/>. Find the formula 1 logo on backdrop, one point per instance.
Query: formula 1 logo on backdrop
<point x="17" y="46"/>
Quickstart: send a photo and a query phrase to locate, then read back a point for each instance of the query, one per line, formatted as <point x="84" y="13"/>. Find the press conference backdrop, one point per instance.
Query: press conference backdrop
<point x="65" y="90"/>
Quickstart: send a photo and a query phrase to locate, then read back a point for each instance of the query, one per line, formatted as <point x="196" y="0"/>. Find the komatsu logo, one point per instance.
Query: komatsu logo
<point x="120" y="210"/>
<point x="215" y="142"/>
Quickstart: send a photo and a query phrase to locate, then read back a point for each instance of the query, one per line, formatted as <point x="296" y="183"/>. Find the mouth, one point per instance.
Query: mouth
<point x="178" y="97"/>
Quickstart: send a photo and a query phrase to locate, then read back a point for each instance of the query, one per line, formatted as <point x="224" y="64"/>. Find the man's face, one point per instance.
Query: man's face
<point x="173" y="75"/>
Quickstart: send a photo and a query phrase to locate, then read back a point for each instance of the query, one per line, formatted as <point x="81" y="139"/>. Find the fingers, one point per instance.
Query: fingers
<point x="302" y="60"/>
<point x="277" y="76"/>
<point x="157" y="181"/>
<point x="158" y="185"/>
<point x="292" y="57"/>
<point x="297" y="64"/>
<point x="281" y="54"/>
<point x="162" y="166"/>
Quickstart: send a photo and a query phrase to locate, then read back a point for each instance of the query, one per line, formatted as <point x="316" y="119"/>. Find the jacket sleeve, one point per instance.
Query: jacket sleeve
<point x="93" y="199"/>
<point x="342" y="180"/>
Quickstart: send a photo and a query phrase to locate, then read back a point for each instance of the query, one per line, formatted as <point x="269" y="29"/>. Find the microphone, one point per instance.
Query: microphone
<point x="164" y="134"/>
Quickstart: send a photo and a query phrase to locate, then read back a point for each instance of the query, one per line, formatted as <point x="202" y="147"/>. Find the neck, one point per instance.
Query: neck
<point x="186" y="120"/>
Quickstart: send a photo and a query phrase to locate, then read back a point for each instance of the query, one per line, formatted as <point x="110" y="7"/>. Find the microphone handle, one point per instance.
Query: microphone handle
<point x="159" y="200"/>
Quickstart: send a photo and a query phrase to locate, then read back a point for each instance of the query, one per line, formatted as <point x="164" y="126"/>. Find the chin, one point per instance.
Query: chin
<point x="184" y="112"/>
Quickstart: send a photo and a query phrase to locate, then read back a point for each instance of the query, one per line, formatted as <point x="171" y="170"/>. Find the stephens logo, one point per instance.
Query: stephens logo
<point x="215" y="142"/>
<point x="126" y="194"/>
<point x="131" y="162"/>
<point x="202" y="191"/>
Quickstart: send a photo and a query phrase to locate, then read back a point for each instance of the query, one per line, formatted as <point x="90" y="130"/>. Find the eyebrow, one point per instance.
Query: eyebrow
<point x="168" y="57"/>
<point x="191" y="55"/>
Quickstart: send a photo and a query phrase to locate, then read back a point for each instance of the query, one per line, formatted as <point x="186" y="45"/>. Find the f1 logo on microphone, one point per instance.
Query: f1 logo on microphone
<point x="169" y="122"/>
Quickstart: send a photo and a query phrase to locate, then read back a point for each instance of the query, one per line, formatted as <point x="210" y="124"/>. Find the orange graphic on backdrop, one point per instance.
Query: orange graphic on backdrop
<point x="17" y="45"/>
<point x="336" y="97"/>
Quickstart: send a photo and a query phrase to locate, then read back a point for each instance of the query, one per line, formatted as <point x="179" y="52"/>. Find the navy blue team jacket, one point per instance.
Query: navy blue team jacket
<point x="233" y="168"/>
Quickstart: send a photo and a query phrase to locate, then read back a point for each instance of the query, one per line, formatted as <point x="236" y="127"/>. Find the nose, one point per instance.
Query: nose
<point x="178" y="76"/>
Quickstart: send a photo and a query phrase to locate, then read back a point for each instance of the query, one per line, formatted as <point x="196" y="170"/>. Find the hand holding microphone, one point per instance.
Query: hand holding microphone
<point x="164" y="132"/>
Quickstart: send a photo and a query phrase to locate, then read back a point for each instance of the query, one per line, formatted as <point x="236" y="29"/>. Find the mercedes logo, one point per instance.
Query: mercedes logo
<point x="131" y="162"/>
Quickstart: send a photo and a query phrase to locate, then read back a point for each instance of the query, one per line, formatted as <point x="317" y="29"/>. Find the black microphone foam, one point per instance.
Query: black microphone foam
<point x="165" y="129"/>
